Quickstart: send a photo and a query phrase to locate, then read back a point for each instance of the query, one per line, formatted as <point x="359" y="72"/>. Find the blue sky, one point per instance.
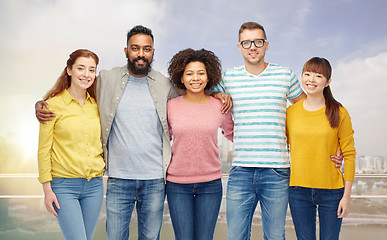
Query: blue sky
<point x="38" y="35"/>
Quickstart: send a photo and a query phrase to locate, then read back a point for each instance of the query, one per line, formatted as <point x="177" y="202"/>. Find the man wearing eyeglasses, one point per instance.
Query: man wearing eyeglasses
<point x="260" y="169"/>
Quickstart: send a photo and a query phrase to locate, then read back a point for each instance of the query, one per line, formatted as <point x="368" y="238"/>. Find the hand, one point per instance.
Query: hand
<point x="226" y="100"/>
<point x="338" y="159"/>
<point x="50" y="198"/>
<point x="43" y="115"/>
<point x="344" y="206"/>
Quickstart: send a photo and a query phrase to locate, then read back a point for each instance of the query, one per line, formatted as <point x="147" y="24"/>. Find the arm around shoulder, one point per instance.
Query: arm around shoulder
<point x="228" y="126"/>
<point x="225" y="99"/>
<point x="43" y="115"/>
<point x="46" y="136"/>
<point x="298" y="98"/>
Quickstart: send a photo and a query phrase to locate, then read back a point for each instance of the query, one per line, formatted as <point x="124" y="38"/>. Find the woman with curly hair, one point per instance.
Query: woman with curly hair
<point x="194" y="187"/>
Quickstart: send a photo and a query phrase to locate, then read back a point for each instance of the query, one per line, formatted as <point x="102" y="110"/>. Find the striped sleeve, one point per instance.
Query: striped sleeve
<point x="220" y="86"/>
<point x="295" y="88"/>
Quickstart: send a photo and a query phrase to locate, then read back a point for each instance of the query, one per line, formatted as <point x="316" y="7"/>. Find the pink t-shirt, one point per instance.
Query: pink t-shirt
<point x="194" y="130"/>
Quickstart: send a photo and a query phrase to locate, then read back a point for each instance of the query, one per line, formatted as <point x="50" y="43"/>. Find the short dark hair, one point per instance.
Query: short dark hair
<point x="181" y="59"/>
<point x="251" y="26"/>
<point x="139" y="29"/>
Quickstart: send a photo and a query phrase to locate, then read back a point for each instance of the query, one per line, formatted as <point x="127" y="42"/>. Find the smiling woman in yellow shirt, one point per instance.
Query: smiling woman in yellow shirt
<point x="69" y="145"/>
<point x="70" y="153"/>
<point x="317" y="127"/>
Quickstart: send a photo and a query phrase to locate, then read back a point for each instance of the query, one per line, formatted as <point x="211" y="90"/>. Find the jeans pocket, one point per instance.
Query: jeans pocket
<point x="282" y="172"/>
<point x="233" y="169"/>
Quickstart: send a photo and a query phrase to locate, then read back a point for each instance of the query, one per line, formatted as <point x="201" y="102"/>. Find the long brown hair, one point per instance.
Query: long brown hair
<point x="64" y="80"/>
<point x="332" y="107"/>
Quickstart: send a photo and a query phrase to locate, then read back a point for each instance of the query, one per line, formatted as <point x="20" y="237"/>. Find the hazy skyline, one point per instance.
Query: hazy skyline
<point x="38" y="36"/>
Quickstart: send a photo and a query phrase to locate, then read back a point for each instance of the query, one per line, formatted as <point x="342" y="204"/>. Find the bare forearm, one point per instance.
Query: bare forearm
<point x="347" y="189"/>
<point x="47" y="187"/>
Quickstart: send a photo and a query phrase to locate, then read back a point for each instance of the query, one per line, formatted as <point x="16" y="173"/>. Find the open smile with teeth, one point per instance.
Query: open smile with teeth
<point x="85" y="80"/>
<point x="309" y="85"/>
<point x="195" y="85"/>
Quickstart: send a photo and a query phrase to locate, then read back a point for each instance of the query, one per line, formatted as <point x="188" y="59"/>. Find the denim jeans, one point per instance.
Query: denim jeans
<point x="80" y="203"/>
<point x="194" y="209"/>
<point x="246" y="186"/>
<point x="305" y="202"/>
<point x="121" y="197"/>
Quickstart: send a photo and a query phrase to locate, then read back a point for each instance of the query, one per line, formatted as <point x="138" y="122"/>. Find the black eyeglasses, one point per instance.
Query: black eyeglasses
<point x="246" y="44"/>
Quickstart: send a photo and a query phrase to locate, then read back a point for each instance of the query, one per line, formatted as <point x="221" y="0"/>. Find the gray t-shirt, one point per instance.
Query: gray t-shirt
<point x="135" y="140"/>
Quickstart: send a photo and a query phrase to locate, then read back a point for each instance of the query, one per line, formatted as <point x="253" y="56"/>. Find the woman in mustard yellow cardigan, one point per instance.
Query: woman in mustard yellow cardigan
<point x="317" y="127"/>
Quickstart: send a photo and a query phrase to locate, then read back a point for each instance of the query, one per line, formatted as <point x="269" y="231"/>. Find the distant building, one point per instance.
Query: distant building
<point x="371" y="164"/>
<point x="359" y="187"/>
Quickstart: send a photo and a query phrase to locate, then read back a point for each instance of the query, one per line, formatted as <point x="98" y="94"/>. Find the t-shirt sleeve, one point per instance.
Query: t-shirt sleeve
<point x="295" y="88"/>
<point x="220" y="86"/>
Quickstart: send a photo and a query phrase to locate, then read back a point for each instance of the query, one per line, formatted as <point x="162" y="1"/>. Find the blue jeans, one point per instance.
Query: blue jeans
<point x="305" y="202"/>
<point x="80" y="203"/>
<point x="246" y="186"/>
<point x="122" y="195"/>
<point x="194" y="208"/>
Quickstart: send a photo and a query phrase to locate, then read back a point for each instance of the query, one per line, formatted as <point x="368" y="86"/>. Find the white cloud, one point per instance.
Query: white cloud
<point x="359" y="84"/>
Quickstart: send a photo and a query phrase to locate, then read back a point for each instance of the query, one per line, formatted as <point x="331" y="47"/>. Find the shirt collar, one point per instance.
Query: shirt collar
<point x="89" y="98"/>
<point x="67" y="98"/>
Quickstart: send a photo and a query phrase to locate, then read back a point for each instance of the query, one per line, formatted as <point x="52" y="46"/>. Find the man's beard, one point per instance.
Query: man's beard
<point x="139" y="71"/>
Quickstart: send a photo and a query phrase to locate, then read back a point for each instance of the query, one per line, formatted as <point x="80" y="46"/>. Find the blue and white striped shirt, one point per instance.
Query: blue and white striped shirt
<point x="260" y="114"/>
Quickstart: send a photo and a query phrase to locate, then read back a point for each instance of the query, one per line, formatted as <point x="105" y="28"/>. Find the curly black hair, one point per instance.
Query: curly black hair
<point x="180" y="60"/>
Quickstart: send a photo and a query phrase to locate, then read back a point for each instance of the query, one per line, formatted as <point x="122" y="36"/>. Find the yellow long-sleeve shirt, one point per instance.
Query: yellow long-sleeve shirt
<point x="70" y="144"/>
<point x="312" y="141"/>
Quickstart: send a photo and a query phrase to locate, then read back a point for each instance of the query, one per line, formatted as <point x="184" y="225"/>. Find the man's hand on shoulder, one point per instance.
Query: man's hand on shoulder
<point x="226" y="100"/>
<point x="43" y="115"/>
